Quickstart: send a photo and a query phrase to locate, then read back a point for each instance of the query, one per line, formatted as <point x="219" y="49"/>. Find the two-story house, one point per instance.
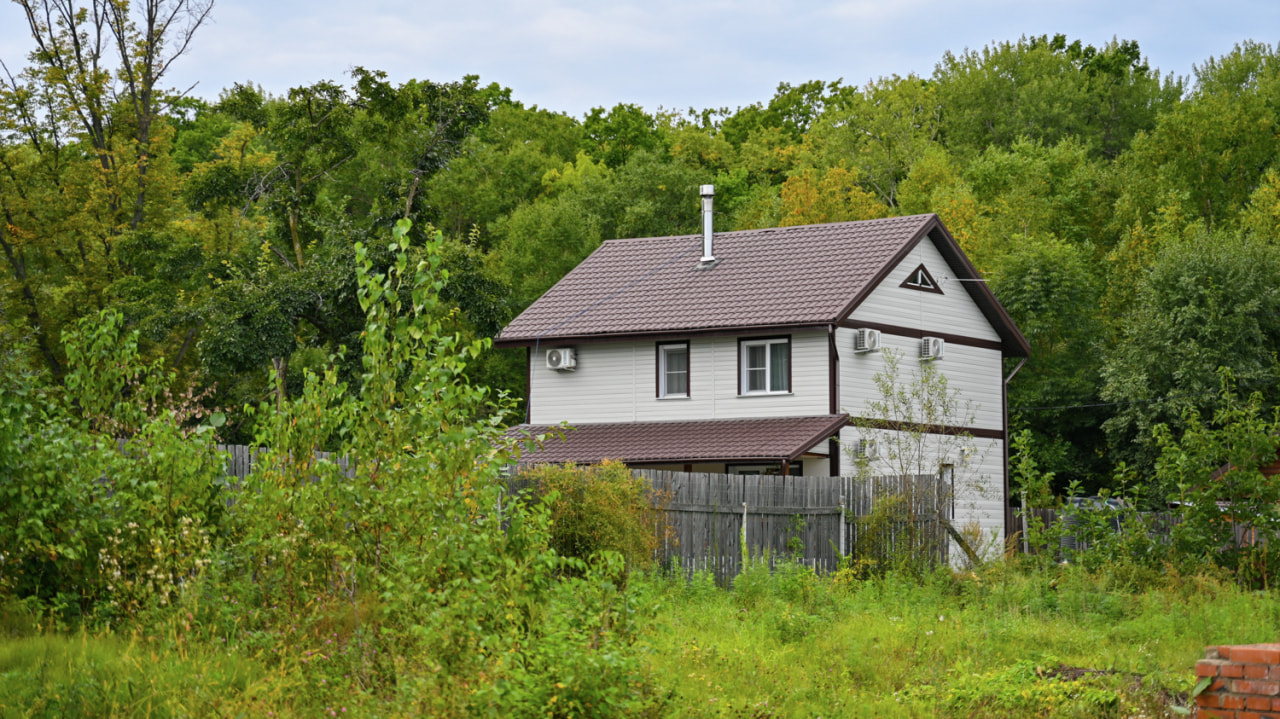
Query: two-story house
<point x="749" y="351"/>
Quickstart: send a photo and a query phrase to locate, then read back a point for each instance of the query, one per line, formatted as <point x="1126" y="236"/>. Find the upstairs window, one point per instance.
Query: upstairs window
<point x="673" y="369"/>
<point x="766" y="366"/>
<point x="920" y="279"/>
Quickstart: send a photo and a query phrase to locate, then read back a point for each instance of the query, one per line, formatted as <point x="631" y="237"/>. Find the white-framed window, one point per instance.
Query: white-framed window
<point x="673" y="369"/>
<point x="765" y="366"/>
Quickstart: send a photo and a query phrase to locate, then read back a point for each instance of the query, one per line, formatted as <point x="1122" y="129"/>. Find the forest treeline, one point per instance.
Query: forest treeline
<point x="1126" y="219"/>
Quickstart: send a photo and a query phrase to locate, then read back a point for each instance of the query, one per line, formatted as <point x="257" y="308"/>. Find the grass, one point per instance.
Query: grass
<point x="105" y="675"/>
<point x="1006" y="642"/>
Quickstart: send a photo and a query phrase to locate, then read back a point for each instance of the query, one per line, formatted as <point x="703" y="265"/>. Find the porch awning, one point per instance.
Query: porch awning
<point x="773" y="439"/>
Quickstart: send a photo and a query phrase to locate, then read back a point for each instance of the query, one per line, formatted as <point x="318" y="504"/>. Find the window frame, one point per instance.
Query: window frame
<point x="660" y="370"/>
<point x="767" y="342"/>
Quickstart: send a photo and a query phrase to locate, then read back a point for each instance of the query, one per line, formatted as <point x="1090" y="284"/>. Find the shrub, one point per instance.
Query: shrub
<point x="600" y="508"/>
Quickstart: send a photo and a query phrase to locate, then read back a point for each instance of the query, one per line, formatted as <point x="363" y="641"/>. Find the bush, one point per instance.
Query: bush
<point x="600" y="508"/>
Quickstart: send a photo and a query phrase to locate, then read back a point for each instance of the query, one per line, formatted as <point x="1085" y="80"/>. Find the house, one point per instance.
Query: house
<point x="749" y="351"/>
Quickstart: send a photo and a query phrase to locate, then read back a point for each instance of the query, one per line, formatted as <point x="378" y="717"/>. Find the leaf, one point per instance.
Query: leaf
<point x="1201" y="686"/>
<point x="217" y="419"/>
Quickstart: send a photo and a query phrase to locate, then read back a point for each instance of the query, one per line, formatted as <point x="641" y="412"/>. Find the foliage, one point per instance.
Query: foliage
<point x="600" y="508"/>
<point x="1207" y="301"/>
<point x="902" y="422"/>
<point x="1214" y="472"/>
<point x="87" y="528"/>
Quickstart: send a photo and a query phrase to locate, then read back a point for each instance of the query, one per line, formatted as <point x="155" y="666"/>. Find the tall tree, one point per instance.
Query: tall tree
<point x="84" y="122"/>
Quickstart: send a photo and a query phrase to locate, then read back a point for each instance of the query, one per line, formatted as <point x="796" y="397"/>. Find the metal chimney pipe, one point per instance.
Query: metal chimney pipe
<point x="708" y="193"/>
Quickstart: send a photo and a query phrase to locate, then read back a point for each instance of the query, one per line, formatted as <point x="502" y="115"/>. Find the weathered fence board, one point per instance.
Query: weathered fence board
<point x="813" y="520"/>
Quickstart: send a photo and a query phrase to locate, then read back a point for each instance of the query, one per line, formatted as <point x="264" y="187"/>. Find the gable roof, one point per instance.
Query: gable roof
<point x="810" y="275"/>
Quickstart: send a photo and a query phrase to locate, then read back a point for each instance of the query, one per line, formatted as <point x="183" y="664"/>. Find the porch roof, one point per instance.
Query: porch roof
<point x="773" y="439"/>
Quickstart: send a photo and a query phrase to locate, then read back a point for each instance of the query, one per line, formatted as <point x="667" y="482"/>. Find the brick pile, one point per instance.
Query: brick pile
<point x="1246" y="682"/>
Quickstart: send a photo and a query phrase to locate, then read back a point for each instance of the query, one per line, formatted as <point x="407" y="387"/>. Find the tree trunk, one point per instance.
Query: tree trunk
<point x="281" y="365"/>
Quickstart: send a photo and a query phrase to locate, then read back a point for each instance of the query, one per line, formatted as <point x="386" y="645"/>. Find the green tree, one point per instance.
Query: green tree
<point x="1047" y="89"/>
<point x="1049" y="288"/>
<point x="1208" y="301"/>
<point x="84" y="157"/>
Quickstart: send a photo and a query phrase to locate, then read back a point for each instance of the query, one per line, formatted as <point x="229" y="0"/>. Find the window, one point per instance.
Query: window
<point x="796" y="469"/>
<point x="673" y="370"/>
<point x="920" y="279"/>
<point x="766" y="366"/>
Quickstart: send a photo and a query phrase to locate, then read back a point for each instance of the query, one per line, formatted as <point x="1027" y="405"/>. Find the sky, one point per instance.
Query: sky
<point x="572" y="55"/>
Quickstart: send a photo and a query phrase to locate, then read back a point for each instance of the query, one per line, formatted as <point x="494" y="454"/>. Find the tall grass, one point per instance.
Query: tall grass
<point x="999" y="643"/>
<point x="105" y="676"/>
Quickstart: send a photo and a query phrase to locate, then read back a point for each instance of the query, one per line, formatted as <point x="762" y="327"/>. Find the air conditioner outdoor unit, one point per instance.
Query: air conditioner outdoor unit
<point x="868" y="449"/>
<point x="932" y="348"/>
<point x="562" y="359"/>
<point x="865" y="340"/>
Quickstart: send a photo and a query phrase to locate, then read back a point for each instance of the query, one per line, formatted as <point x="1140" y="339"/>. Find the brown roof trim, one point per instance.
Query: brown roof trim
<point x="1016" y="344"/>
<point x="885" y="269"/>
<point x="982" y="294"/>
<point x="927" y="428"/>
<point x="917" y="333"/>
<point x="659" y="336"/>
<point x="827" y="432"/>
<point x="776" y="439"/>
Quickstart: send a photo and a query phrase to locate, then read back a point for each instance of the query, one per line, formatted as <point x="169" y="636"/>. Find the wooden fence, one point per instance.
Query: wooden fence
<point x="811" y="520"/>
<point x="1159" y="526"/>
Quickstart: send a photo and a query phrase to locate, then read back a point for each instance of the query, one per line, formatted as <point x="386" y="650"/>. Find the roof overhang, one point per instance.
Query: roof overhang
<point x="774" y="439"/>
<point x="735" y="331"/>
<point x="1012" y="339"/>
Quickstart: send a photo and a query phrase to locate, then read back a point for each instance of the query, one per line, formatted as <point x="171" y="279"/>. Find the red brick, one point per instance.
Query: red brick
<point x="1233" y="670"/>
<point x="1231" y="701"/>
<point x="1211" y="700"/>
<point x="1256" y="671"/>
<point x="1252" y="715"/>
<point x="1254" y="653"/>
<point x="1244" y="686"/>
<point x="1275" y="674"/>
<point x="1262" y="703"/>
<point x="1275" y="704"/>
<point x="1208" y="667"/>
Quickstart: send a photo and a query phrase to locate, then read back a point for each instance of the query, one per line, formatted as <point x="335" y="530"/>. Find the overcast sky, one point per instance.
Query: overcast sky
<point x="570" y="55"/>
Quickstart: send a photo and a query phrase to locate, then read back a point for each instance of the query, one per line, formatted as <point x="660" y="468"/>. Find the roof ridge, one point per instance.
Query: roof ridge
<point x="722" y="233"/>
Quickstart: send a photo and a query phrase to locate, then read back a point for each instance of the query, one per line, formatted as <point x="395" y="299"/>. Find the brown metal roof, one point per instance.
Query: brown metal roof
<point x="780" y="277"/>
<point x="715" y="440"/>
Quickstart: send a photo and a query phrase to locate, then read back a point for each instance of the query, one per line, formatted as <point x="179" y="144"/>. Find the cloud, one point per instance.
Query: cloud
<point x="574" y="54"/>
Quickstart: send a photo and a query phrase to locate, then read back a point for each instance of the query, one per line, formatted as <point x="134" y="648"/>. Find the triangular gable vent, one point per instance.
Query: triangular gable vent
<point x="920" y="279"/>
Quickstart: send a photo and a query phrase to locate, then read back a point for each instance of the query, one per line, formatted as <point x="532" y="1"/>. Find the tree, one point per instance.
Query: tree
<point x="882" y="130"/>
<point x="1050" y="291"/>
<point x="1047" y="89"/>
<point x="1209" y="153"/>
<point x="1208" y="301"/>
<point x="84" y="157"/>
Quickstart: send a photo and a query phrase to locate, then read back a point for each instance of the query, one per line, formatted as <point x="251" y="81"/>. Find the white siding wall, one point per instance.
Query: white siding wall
<point x="615" y="382"/>
<point x="952" y="312"/>
<point x="979" y="476"/>
<point x="974" y="372"/>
